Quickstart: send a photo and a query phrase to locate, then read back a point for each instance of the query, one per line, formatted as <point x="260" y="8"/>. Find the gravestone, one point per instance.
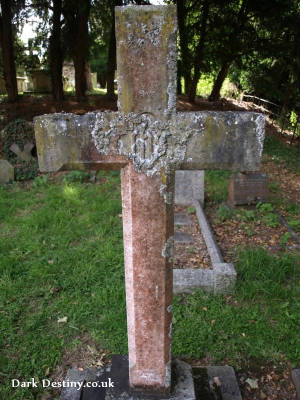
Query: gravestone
<point x="189" y="186"/>
<point x="148" y="140"/>
<point x="21" y="84"/>
<point x="41" y="81"/>
<point x="68" y="75"/>
<point x="6" y="171"/>
<point x="248" y="188"/>
<point x="25" y="154"/>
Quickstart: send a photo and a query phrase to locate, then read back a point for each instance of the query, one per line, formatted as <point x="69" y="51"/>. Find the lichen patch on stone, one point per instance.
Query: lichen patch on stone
<point x="168" y="249"/>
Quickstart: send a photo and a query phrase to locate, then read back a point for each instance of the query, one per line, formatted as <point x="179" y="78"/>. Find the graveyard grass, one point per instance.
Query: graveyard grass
<point x="62" y="256"/>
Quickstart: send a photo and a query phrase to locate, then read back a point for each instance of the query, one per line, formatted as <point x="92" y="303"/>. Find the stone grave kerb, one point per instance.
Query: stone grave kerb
<point x="148" y="140"/>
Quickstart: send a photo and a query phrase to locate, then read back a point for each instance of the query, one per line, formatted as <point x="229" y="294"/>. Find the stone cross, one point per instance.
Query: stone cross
<point x="148" y="140"/>
<point x="24" y="155"/>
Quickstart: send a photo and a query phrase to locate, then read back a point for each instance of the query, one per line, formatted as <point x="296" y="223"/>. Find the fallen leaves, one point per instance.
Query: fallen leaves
<point x="267" y="383"/>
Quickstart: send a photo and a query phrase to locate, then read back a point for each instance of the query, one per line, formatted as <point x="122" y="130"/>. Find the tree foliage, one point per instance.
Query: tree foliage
<point x="253" y="42"/>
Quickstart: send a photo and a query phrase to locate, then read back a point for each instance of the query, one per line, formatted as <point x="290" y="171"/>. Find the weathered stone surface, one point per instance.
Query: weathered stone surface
<point x="146" y="54"/>
<point x="248" y="188"/>
<point x="182" y="237"/>
<point x="188" y="280"/>
<point x="6" y="171"/>
<point x="296" y="380"/>
<point x="192" y="140"/>
<point x="229" y="388"/>
<point x="148" y="249"/>
<point x="189" y="186"/>
<point x="224" y="277"/>
<point x="75" y="380"/>
<point x="184" y="387"/>
<point x="212" y="246"/>
<point x="182" y="219"/>
<point x="147" y="59"/>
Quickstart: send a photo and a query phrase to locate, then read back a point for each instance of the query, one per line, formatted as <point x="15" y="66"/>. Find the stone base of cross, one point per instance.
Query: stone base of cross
<point x="148" y="140"/>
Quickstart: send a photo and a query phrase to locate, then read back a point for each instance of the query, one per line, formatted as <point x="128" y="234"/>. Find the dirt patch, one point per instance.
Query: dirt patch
<point x="86" y="354"/>
<point x="234" y="232"/>
<point x="195" y="254"/>
<point x="288" y="181"/>
<point x="273" y="381"/>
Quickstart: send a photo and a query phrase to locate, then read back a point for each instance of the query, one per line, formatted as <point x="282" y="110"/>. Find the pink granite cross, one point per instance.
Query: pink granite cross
<point x="148" y="140"/>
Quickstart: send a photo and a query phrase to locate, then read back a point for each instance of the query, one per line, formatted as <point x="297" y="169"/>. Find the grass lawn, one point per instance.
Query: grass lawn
<point x="61" y="255"/>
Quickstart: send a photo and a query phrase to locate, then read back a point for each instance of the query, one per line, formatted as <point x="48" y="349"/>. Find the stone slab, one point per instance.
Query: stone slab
<point x="189" y="186"/>
<point x="216" y="383"/>
<point x="296" y="381"/>
<point x="75" y="380"/>
<point x="182" y="219"/>
<point x="248" y="188"/>
<point x="117" y="374"/>
<point x="182" y="237"/>
<point x="187" y="280"/>
<point x="229" y="387"/>
<point x="6" y="171"/>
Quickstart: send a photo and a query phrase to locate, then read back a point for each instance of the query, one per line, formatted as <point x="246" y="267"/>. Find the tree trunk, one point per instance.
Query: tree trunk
<point x="82" y="48"/>
<point x="102" y="80"/>
<point x="215" y="93"/>
<point x="111" y="61"/>
<point x="287" y="96"/>
<point x="242" y="17"/>
<point x="56" y="54"/>
<point x="183" y="41"/>
<point x="89" y="85"/>
<point x="199" y="52"/>
<point x="6" y="36"/>
<point x="112" y="58"/>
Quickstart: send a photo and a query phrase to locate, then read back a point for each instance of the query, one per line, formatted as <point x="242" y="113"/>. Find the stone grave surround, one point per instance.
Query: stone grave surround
<point x="148" y="140"/>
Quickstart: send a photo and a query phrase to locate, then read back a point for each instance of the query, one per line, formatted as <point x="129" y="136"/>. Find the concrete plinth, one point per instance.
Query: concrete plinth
<point x="112" y="383"/>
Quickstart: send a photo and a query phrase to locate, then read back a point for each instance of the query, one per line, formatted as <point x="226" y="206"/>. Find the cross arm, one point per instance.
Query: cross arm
<point x="64" y="142"/>
<point x="221" y="140"/>
<point x="184" y="140"/>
